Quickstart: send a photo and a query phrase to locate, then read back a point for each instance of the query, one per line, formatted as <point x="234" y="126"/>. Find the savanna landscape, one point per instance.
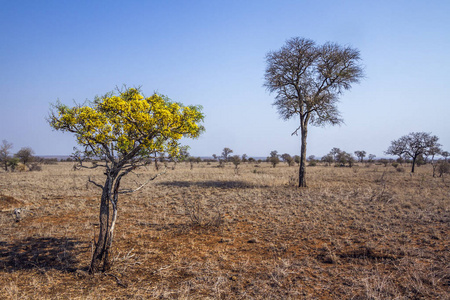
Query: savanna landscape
<point x="110" y="191"/>
<point x="209" y="232"/>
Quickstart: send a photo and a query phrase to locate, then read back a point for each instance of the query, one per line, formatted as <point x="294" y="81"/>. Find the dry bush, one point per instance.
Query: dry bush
<point x="202" y="212"/>
<point x="20" y="167"/>
<point x="35" y="167"/>
<point x="400" y="169"/>
<point x="367" y="233"/>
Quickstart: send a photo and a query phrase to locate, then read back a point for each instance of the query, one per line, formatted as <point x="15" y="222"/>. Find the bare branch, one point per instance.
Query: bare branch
<point x="95" y="183"/>
<point x="144" y="184"/>
<point x="296" y="130"/>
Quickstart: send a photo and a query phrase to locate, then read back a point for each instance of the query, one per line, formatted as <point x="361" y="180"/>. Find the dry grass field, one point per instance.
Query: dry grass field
<point x="367" y="232"/>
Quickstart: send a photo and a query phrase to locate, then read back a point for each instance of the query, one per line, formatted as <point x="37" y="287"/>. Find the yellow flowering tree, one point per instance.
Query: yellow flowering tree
<point x="123" y="130"/>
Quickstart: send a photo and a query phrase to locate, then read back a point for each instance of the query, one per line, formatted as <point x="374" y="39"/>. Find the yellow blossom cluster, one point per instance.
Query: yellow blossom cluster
<point x="128" y="121"/>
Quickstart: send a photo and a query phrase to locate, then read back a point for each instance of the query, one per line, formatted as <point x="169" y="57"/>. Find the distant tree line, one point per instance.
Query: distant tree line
<point x="417" y="149"/>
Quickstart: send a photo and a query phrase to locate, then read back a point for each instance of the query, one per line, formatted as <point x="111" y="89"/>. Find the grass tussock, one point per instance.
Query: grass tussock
<point x="209" y="233"/>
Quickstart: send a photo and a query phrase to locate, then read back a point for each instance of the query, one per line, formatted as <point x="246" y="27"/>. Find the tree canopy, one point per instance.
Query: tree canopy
<point x="308" y="79"/>
<point x="128" y="126"/>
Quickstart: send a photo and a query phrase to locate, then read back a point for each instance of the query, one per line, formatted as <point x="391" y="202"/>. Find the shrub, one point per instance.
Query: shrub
<point x="35" y="167"/>
<point x="383" y="161"/>
<point x="48" y="161"/>
<point x="443" y="168"/>
<point x="236" y="162"/>
<point x="288" y="159"/>
<point x="420" y="161"/>
<point x="21" y="167"/>
<point x="13" y="163"/>
<point x="203" y="213"/>
<point x="400" y="169"/>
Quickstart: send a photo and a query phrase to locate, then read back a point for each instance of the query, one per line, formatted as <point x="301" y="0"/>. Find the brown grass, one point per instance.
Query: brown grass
<point x="208" y="233"/>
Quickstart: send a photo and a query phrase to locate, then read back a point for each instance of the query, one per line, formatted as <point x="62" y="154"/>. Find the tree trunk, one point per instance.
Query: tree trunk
<point x="413" y="164"/>
<point x="302" y="170"/>
<point x="101" y="251"/>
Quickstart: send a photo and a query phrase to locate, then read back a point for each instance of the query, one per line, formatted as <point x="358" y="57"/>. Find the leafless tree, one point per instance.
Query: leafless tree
<point x="445" y="154"/>
<point x="443" y="168"/>
<point x="335" y="152"/>
<point x="413" y="145"/>
<point x="360" y="155"/>
<point x="5" y="149"/>
<point x="308" y="80"/>
<point x="432" y="152"/>
<point x="226" y="154"/>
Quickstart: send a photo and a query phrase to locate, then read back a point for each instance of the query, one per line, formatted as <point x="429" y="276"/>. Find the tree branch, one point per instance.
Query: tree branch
<point x="144" y="184"/>
<point x="94" y="183"/>
<point x="296" y="130"/>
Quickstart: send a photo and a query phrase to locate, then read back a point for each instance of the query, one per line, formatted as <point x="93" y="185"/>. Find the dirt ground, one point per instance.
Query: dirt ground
<point x="367" y="232"/>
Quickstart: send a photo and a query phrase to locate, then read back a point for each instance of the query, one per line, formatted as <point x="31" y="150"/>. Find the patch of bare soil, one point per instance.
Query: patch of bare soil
<point x="8" y="202"/>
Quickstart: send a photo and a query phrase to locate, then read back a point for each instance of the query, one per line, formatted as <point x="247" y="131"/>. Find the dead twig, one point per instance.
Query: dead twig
<point x="120" y="283"/>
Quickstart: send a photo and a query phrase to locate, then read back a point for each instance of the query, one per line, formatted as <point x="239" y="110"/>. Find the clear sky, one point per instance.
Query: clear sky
<point x="212" y="53"/>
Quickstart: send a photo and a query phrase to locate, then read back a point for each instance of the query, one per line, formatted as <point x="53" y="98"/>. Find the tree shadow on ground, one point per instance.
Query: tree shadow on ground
<point x="234" y="184"/>
<point x="41" y="254"/>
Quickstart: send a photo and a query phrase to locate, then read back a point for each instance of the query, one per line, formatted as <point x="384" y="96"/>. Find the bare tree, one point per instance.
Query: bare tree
<point x="5" y="149"/>
<point x="433" y="151"/>
<point x="335" y="152"/>
<point x="360" y="155"/>
<point x="226" y="154"/>
<point x="443" y="168"/>
<point x="413" y="145"/>
<point x="308" y="80"/>
<point x="445" y="154"/>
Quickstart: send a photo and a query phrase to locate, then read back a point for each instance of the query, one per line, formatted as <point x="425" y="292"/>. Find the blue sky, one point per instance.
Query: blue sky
<point x="212" y="53"/>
